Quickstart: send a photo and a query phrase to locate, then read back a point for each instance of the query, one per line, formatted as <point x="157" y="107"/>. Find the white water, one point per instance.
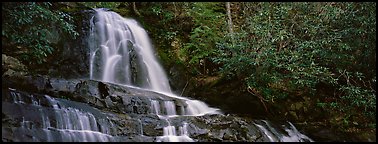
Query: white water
<point x="170" y="107"/>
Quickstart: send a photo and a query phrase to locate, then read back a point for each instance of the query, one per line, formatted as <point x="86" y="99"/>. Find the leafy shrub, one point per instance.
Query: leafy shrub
<point x="208" y="29"/>
<point x="286" y="49"/>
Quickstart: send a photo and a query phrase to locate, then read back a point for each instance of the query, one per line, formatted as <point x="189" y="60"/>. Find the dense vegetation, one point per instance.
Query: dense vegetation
<point x="288" y="48"/>
<point x="30" y="29"/>
<point x="279" y="50"/>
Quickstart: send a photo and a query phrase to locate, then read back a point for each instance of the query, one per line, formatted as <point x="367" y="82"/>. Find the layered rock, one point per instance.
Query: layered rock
<point x="33" y="109"/>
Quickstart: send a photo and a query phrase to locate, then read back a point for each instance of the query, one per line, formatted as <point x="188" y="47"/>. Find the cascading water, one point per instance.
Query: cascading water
<point x="60" y="122"/>
<point x="121" y="53"/>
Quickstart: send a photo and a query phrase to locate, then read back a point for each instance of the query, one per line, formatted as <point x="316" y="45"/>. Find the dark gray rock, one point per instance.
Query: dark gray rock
<point x="114" y="113"/>
<point x="71" y="56"/>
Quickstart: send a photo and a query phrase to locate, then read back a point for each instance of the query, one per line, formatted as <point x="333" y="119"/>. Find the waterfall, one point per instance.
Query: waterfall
<point x="122" y="53"/>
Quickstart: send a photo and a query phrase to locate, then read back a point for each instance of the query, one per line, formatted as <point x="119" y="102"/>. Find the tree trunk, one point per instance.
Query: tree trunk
<point x="229" y="17"/>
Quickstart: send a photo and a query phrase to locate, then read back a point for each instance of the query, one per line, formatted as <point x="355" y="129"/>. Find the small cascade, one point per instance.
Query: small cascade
<point x="295" y="135"/>
<point x="170" y="108"/>
<point x="155" y="106"/>
<point x="169" y="132"/>
<point x="71" y="124"/>
<point x="183" y="129"/>
<point x="16" y="97"/>
<point x="268" y="134"/>
<point x="141" y="127"/>
<point x="26" y="124"/>
<point x="275" y="135"/>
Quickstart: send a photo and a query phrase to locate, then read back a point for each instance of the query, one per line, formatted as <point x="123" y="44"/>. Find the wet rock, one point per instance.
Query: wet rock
<point x="102" y="95"/>
<point x="109" y="102"/>
<point x="88" y="88"/>
<point x="132" y="104"/>
<point x="28" y="83"/>
<point x="152" y="125"/>
<point x="115" y="98"/>
<point x="103" y="89"/>
<point x="100" y="103"/>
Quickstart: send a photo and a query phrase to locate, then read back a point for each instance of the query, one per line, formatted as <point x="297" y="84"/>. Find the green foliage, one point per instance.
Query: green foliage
<point x="208" y="29"/>
<point x="266" y="45"/>
<point x="29" y="26"/>
<point x="200" y="45"/>
<point x="357" y="93"/>
<point x="109" y="5"/>
<point x="197" y="24"/>
<point x="165" y="15"/>
<point x="288" y="48"/>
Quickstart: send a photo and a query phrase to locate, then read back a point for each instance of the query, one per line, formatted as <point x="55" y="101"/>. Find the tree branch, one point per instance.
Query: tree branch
<point x="135" y="9"/>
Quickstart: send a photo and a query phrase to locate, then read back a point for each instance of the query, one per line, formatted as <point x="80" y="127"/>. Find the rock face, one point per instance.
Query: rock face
<point x="37" y="109"/>
<point x="12" y="67"/>
<point x="72" y="55"/>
